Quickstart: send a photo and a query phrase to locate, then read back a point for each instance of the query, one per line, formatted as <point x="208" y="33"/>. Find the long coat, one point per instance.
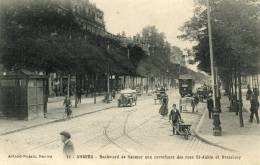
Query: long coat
<point x="210" y="104"/>
<point x="68" y="148"/>
<point x="164" y="107"/>
<point x="254" y="104"/>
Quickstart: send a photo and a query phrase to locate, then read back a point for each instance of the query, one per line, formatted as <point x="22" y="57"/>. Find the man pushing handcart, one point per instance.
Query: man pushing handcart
<point x="178" y="126"/>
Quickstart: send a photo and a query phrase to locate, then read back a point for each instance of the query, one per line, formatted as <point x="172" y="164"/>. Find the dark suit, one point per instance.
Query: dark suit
<point x="254" y="109"/>
<point x="68" y="148"/>
<point x="175" y="116"/>
<point x="210" y="106"/>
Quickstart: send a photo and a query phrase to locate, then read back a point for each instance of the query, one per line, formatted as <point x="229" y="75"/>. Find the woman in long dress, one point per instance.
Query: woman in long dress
<point x="164" y="107"/>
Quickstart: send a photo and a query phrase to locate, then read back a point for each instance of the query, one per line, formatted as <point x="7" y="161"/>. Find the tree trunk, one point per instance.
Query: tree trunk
<point x="252" y="79"/>
<point x="124" y="82"/>
<point x="76" y="91"/>
<point x="108" y="84"/>
<point x="46" y="95"/>
<point x="257" y="81"/>
<point x="240" y="97"/>
<point x="231" y="93"/>
<point x="236" y="98"/>
<point x="95" y="87"/>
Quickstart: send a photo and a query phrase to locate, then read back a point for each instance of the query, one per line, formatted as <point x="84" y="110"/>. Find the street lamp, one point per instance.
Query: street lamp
<point x="216" y="117"/>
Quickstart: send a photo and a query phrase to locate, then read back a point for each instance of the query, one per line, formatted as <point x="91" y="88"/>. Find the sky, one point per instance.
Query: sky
<point x="132" y="15"/>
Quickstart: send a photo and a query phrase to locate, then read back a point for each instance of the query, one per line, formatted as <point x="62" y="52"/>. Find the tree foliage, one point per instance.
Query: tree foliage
<point x="158" y="63"/>
<point x="39" y="35"/>
<point x="235" y="31"/>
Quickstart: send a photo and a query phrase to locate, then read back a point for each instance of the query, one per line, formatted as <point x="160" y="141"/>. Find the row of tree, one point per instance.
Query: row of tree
<point x="43" y="36"/>
<point x="35" y="35"/>
<point x="236" y="42"/>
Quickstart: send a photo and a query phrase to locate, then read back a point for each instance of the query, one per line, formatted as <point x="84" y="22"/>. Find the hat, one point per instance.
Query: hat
<point x="174" y="105"/>
<point x="65" y="134"/>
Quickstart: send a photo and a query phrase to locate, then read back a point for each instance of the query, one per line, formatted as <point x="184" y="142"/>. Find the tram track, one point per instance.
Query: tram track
<point x="104" y="134"/>
<point x="124" y="134"/>
<point x="113" y="141"/>
<point x="109" y="135"/>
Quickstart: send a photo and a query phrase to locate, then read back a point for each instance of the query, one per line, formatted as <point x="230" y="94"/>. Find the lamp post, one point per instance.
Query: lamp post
<point x="216" y="117"/>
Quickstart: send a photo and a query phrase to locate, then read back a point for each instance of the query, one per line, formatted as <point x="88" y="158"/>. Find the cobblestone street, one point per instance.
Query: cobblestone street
<point x="136" y="131"/>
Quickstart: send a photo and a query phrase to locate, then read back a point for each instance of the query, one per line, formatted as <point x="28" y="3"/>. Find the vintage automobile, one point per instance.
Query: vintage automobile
<point x="202" y="93"/>
<point x="127" y="97"/>
<point x="159" y="93"/>
<point x="186" y="84"/>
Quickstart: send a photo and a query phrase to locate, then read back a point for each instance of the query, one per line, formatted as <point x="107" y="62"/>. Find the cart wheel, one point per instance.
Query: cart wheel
<point x="186" y="135"/>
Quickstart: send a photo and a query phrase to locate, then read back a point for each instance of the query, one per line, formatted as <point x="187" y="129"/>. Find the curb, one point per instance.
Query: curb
<point x="201" y="138"/>
<point x="54" y="121"/>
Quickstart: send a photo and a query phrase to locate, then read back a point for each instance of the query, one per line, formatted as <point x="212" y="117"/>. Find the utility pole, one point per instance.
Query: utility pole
<point x="216" y="116"/>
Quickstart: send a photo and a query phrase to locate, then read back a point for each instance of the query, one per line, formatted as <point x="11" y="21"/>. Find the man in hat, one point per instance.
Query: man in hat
<point x="175" y="117"/>
<point x="254" y="108"/>
<point x="210" y="105"/>
<point x="68" y="148"/>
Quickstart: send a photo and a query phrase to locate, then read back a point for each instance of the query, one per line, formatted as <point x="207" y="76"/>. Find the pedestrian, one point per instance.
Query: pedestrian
<point x="67" y="104"/>
<point x="175" y="117"/>
<point x="249" y="93"/>
<point x="68" y="147"/>
<point x="113" y="94"/>
<point x="79" y="93"/>
<point x="254" y="108"/>
<point x="194" y="102"/>
<point x="164" y="107"/>
<point x="210" y="106"/>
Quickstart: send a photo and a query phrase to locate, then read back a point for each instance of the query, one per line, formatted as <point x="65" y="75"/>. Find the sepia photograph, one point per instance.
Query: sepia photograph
<point x="133" y="82"/>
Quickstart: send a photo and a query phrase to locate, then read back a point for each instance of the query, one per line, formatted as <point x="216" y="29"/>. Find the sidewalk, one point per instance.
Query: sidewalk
<point x="55" y="113"/>
<point x="245" y="140"/>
